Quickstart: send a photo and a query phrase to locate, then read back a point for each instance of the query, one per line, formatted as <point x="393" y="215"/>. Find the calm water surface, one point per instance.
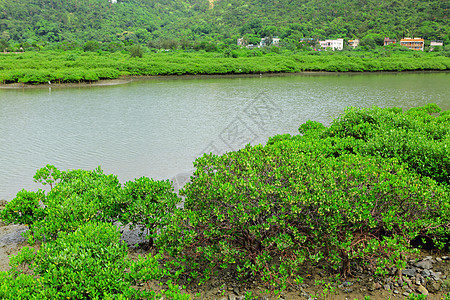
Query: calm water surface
<point x="156" y="128"/>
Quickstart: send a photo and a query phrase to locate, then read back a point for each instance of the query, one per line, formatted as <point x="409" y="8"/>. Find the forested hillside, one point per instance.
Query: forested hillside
<point x="180" y="22"/>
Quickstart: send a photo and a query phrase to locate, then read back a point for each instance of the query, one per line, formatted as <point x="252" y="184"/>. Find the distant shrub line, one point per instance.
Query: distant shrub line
<point x="354" y="194"/>
<point x="67" y="67"/>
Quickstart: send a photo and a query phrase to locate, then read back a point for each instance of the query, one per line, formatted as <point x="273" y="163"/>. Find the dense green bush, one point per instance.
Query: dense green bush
<point x="147" y="203"/>
<point x="76" y="196"/>
<point x="25" y="208"/>
<point x="90" y="263"/>
<point x="136" y="51"/>
<point x="415" y="137"/>
<point x="23" y="286"/>
<point x="320" y="197"/>
<point x="266" y="210"/>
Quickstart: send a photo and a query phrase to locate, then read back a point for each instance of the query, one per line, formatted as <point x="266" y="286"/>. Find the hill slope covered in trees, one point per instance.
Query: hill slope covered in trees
<point x="180" y="22"/>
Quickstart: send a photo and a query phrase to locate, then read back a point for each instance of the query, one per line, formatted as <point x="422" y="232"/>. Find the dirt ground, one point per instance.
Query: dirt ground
<point x="65" y="85"/>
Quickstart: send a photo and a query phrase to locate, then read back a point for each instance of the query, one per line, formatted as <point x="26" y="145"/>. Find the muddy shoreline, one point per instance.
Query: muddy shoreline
<point x="128" y="79"/>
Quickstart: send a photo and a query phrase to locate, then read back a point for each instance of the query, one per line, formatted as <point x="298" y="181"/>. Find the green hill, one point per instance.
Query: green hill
<point x="166" y="23"/>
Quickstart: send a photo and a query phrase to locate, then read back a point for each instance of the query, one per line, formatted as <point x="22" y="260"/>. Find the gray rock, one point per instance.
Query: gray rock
<point x="445" y="257"/>
<point x="436" y="278"/>
<point x="421" y="289"/>
<point x="396" y="292"/>
<point x="408" y="290"/>
<point x="348" y="290"/>
<point x="387" y="287"/>
<point x="405" y="294"/>
<point x="236" y="291"/>
<point x="409" y="272"/>
<point x="419" y="279"/>
<point x="425" y="273"/>
<point x="424" y="264"/>
<point x="438" y="259"/>
<point x="231" y="297"/>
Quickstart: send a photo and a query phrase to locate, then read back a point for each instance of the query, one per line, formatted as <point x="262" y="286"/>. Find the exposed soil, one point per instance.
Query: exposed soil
<point x="320" y="284"/>
<point x="66" y="85"/>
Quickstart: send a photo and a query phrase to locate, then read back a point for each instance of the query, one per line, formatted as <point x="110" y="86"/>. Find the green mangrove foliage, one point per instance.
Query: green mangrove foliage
<point x="322" y="197"/>
<point x="79" y="196"/>
<point x="76" y="66"/>
<point x="416" y="137"/>
<point x="147" y="203"/>
<point x="81" y="256"/>
<point x="89" y="263"/>
<point x="24" y="208"/>
<point x="355" y="193"/>
<point x="267" y="210"/>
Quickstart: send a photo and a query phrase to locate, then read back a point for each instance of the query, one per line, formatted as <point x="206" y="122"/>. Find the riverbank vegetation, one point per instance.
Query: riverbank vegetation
<point x="45" y="41"/>
<point x="80" y="66"/>
<point x="355" y="195"/>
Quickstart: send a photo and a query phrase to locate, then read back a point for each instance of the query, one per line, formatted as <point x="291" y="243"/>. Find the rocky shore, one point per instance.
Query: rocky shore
<point x="426" y="277"/>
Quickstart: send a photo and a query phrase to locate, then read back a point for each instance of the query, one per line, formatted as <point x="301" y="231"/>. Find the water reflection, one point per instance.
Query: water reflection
<point x="156" y="128"/>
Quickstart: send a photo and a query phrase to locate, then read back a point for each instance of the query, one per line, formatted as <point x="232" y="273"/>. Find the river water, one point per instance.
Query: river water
<point x="157" y="127"/>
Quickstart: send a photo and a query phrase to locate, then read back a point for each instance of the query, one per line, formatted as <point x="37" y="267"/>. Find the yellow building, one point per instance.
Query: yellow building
<point x="353" y="43"/>
<point x="413" y="43"/>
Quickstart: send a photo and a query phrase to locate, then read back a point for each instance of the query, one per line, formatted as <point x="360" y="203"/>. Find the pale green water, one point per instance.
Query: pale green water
<point x="156" y="128"/>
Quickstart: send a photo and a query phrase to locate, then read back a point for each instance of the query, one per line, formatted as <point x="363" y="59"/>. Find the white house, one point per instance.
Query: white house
<point x="275" y="41"/>
<point x="241" y="42"/>
<point x="333" y="44"/>
<point x="436" y="43"/>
